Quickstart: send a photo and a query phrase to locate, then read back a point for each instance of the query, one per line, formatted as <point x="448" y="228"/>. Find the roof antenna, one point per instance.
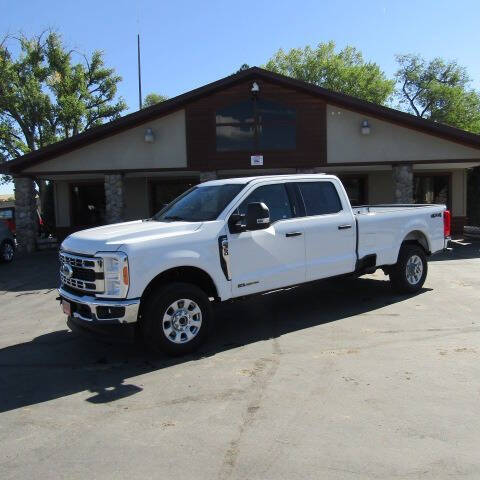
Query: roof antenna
<point x="139" y="73"/>
<point x="138" y="59"/>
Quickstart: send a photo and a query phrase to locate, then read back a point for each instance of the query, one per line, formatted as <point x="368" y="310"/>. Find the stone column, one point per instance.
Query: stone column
<point x="25" y="214"/>
<point x="114" y="193"/>
<point x="402" y="183"/>
<point x="206" y="176"/>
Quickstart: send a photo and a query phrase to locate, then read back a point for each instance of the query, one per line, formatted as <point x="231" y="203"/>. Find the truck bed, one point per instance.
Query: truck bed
<point x="381" y="229"/>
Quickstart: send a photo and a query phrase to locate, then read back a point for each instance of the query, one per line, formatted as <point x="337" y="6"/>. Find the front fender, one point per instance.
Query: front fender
<point x="145" y="267"/>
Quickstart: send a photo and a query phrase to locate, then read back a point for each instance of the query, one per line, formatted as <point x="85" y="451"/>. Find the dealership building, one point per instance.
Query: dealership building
<point x="252" y="123"/>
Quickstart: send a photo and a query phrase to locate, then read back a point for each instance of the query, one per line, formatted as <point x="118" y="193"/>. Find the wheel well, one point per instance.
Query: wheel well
<point x="417" y="238"/>
<point x="193" y="275"/>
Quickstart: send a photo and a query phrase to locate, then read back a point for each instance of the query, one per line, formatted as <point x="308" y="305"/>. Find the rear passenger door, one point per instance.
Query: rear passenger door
<point x="329" y="228"/>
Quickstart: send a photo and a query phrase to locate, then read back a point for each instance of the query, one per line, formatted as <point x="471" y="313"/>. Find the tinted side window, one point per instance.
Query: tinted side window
<point x="320" y="198"/>
<point x="274" y="197"/>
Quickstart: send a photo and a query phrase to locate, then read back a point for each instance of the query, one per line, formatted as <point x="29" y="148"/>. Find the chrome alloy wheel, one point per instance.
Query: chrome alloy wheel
<point x="414" y="269"/>
<point x="182" y="321"/>
<point x="7" y="252"/>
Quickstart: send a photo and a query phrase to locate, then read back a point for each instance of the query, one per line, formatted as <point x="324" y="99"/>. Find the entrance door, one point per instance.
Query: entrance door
<point x="271" y="258"/>
<point x="88" y="204"/>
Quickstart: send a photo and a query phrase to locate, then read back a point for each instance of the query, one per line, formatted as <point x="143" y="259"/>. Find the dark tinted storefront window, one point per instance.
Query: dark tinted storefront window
<point x="431" y="189"/>
<point x="320" y="198"/>
<point x="255" y="124"/>
<point x="356" y="188"/>
<point x="88" y="204"/>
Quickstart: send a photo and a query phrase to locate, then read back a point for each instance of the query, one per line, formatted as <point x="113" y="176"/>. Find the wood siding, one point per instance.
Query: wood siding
<point x="310" y="129"/>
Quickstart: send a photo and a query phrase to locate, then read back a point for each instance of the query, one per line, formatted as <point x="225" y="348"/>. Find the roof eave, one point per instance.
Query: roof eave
<point x="142" y="116"/>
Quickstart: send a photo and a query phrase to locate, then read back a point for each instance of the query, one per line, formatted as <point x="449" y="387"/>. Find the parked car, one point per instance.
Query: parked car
<point x="7" y="214"/>
<point x="231" y="238"/>
<point x="7" y="243"/>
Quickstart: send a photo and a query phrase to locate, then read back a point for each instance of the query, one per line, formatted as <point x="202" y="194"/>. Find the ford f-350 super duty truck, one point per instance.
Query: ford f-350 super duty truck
<point x="230" y="238"/>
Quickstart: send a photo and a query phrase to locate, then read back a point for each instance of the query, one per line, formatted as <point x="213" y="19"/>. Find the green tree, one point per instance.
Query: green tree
<point x="345" y="71"/>
<point x="437" y="90"/>
<point x="152" y="99"/>
<point x="244" y="66"/>
<point x="440" y="91"/>
<point x="48" y="93"/>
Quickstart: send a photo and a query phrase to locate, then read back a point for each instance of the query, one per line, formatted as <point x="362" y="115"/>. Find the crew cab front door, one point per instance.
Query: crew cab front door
<point x="274" y="257"/>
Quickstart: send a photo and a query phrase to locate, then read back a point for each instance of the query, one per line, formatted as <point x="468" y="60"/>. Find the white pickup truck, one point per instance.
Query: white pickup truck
<point x="231" y="238"/>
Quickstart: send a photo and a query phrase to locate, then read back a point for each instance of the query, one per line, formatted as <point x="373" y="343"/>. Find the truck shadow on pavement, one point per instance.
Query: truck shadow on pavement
<point x="461" y="249"/>
<point x="63" y="363"/>
<point x="36" y="271"/>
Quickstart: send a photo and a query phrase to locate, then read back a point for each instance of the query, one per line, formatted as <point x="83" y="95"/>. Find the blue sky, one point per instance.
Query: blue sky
<point x="186" y="44"/>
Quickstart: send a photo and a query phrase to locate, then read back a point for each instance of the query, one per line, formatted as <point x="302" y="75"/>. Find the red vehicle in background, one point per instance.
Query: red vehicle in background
<point x="7" y="215"/>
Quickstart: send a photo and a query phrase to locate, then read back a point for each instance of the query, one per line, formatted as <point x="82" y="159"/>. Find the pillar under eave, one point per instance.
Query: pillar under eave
<point x="402" y="183"/>
<point x="114" y="198"/>
<point x="26" y="219"/>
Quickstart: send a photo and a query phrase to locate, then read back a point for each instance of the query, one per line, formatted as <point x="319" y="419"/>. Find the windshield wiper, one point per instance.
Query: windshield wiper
<point x="175" y="217"/>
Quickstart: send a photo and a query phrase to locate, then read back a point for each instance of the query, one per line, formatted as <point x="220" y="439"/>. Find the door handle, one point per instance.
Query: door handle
<point x="344" y="227"/>
<point x="293" y="234"/>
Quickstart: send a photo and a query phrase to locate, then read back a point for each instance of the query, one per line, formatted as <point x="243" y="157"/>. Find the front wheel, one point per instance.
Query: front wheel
<point x="7" y="251"/>
<point x="409" y="273"/>
<point x="176" y="319"/>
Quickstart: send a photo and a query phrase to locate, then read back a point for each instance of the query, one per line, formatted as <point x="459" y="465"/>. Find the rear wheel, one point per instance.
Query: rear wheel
<point x="409" y="273"/>
<point x="7" y="251"/>
<point x="177" y="318"/>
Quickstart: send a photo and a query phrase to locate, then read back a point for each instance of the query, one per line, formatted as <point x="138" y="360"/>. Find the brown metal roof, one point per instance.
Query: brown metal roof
<point x="142" y="116"/>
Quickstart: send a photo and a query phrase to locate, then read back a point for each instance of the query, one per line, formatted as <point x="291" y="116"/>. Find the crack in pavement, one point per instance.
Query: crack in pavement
<point x="264" y="370"/>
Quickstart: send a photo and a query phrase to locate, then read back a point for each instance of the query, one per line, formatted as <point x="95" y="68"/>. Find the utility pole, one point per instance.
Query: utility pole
<point x="139" y="73"/>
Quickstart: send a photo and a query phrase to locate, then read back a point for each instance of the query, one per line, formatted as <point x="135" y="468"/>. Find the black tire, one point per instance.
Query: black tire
<point x="7" y="251"/>
<point x="156" y="311"/>
<point x="405" y="274"/>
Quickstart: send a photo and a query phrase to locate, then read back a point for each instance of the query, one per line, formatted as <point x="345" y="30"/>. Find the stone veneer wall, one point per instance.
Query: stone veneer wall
<point x="114" y="198"/>
<point x="25" y="214"/>
<point x="402" y="183"/>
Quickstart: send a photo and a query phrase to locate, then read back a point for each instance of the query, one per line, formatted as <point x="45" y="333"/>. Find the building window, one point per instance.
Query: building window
<point x="255" y="125"/>
<point x="432" y="189"/>
<point x="356" y="188"/>
<point x="88" y="204"/>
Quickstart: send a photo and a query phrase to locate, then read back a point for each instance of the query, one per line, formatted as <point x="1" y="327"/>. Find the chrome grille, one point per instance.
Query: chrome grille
<point x="82" y="273"/>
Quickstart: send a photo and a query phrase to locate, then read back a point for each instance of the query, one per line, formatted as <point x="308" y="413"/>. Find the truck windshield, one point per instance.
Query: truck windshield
<point x="199" y="204"/>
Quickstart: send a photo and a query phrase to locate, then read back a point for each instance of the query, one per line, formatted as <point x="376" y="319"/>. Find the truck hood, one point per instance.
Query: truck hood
<point x="109" y="238"/>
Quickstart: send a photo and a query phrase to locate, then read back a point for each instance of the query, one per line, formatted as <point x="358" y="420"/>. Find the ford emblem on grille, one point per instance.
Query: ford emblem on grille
<point x="66" y="270"/>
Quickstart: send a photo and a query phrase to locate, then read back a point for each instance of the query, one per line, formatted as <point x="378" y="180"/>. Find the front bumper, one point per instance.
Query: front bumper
<point x="91" y="309"/>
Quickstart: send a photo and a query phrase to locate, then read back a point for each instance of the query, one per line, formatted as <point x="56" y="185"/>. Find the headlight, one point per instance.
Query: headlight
<point x="116" y="274"/>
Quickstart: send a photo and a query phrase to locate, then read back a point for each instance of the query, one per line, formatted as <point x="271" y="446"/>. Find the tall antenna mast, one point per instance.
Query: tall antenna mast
<point x="139" y="73"/>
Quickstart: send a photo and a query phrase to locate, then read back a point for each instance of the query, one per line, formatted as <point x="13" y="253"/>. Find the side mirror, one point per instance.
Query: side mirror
<point x="235" y="223"/>
<point x="258" y="216"/>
